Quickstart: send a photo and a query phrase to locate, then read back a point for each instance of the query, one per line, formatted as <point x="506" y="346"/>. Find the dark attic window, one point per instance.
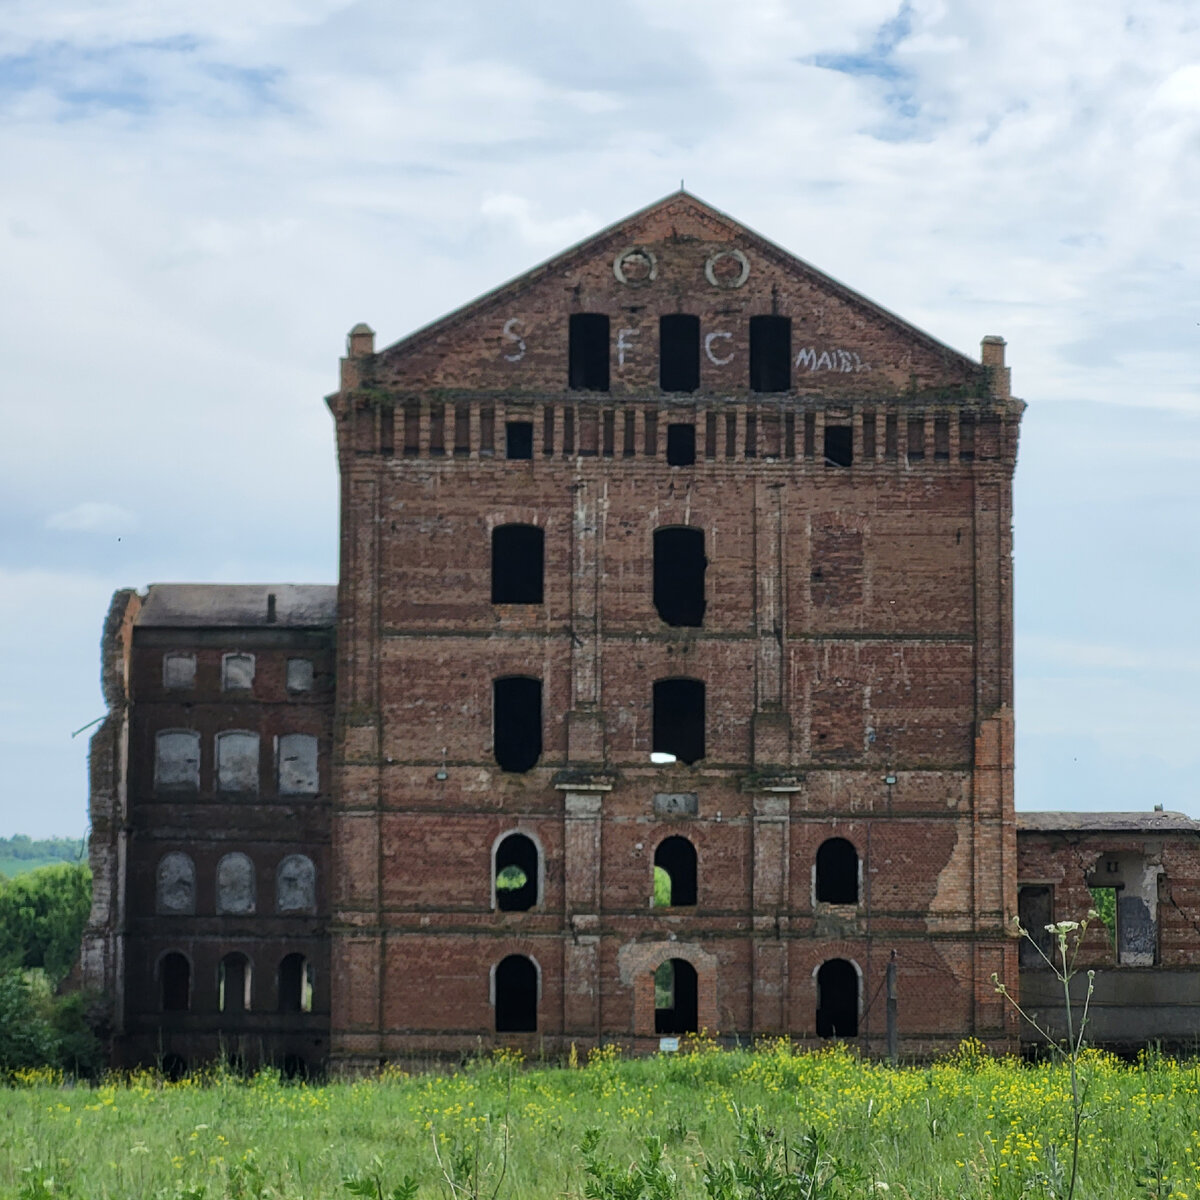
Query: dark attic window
<point x="518" y="439"/>
<point x="679" y="566"/>
<point x="839" y="445"/>
<point x="679" y="352"/>
<point x="587" y="354"/>
<point x="770" y="354"/>
<point x="679" y="719"/>
<point x="517" y="722"/>
<point x="681" y="445"/>
<point x="518" y="561"/>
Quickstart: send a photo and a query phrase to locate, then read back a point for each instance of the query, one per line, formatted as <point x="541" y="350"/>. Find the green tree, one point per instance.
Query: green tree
<point x="42" y="915"/>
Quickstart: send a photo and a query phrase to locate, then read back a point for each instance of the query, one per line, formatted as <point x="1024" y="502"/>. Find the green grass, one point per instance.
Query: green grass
<point x="969" y="1127"/>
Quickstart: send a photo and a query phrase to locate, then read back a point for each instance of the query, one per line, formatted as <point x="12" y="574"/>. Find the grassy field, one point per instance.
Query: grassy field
<point x="707" y="1124"/>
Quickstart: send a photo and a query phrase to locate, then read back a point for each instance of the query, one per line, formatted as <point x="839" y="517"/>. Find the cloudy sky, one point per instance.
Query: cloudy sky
<point x="199" y="200"/>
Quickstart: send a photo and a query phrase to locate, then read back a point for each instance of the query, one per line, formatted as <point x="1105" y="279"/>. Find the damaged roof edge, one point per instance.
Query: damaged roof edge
<point x="1156" y="821"/>
<point x="207" y="605"/>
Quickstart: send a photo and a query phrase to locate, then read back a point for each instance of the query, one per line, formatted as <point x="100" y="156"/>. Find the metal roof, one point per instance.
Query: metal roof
<point x="201" y="605"/>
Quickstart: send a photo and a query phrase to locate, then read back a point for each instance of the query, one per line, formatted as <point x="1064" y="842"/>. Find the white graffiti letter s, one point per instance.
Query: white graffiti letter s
<point x="511" y="334"/>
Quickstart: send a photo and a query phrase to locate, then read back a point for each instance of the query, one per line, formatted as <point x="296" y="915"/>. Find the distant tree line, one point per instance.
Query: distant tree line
<point x="42" y="917"/>
<point x="22" y="847"/>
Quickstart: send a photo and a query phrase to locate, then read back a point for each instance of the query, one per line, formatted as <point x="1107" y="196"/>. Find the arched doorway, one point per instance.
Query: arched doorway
<point x="676" y="997"/>
<point x="837" y="999"/>
<point x="516" y="995"/>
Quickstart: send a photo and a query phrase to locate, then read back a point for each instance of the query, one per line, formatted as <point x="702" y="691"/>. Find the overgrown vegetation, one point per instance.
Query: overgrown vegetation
<point x="42" y="915"/>
<point x="772" y="1124"/>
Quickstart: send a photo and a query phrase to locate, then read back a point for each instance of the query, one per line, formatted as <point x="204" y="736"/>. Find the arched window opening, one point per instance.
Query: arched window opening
<point x="234" y="977"/>
<point x="175" y="982"/>
<point x="679" y="719"/>
<point x="837" y="872"/>
<point x="237" y="761"/>
<point x="235" y="884"/>
<point x="176" y="885"/>
<point x="676" y="997"/>
<point x="837" y="999"/>
<point x="518" y="564"/>
<point x="679" y="566"/>
<point x="516" y="995"/>
<point x="177" y="760"/>
<point x="517" y="722"/>
<point x="516" y="874"/>
<point x="676" y="857"/>
<point x="295" y="984"/>
<point x="296" y="884"/>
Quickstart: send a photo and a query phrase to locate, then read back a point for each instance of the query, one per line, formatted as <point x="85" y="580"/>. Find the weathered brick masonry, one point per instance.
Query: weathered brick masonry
<point x="836" y="688"/>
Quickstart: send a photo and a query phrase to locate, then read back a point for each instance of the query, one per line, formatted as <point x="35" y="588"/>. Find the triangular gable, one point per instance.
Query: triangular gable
<point x="688" y="257"/>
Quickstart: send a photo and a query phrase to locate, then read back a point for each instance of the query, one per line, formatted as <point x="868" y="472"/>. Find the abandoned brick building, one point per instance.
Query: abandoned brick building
<point x="667" y="685"/>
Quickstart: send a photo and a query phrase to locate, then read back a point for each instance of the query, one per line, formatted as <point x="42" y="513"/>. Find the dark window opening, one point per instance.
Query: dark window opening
<point x="175" y="983"/>
<point x="487" y="430"/>
<point x="437" y="430"/>
<point x="412" y="429"/>
<point x="770" y="354"/>
<point x="679" y="719"/>
<point x="516" y="874"/>
<point x="517" y="722"/>
<point x="869" y="436"/>
<point x="518" y="439"/>
<point x="789" y="435"/>
<point x="681" y="445"/>
<point x="233" y="984"/>
<point x="710" y="435"/>
<point x="810" y="435"/>
<point x="1035" y="907"/>
<point x="837" y="872"/>
<point x="629" y="446"/>
<point x="568" y="447"/>
<point x="462" y="430"/>
<point x="751" y="450"/>
<point x="651" y="429"/>
<point x="676" y="997"/>
<point x="941" y="439"/>
<point x="679" y="566"/>
<point x="295" y="984"/>
<point x="587" y="354"/>
<point x="610" y="433"/>
<point x="837" y="999"/>
<point x="516" y="995"/>
<point x="548" y="431"/>
<point x="731" y="435"/>
<point x="518" y="564"/>
<point x="916" y="439"/>
<point x="679" y="352"/>
<point x="891" y="437"/>
<point x="676" y="858"/>
<point x="966" y="437"/>
<point x="292" y="1066"/>
<point x="839" y="445"/>
<point x="387" y="431"/>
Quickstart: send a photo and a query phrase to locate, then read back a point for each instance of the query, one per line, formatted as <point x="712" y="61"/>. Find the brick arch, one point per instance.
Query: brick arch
<point x="515" y="515"/>
<point x="637" y="961"/>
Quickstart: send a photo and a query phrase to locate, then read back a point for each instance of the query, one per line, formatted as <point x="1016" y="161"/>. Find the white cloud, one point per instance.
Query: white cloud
<point x="92" y="516"/>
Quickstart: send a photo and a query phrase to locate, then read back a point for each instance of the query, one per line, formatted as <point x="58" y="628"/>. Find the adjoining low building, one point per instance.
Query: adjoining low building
<point x="1142" y="871"/>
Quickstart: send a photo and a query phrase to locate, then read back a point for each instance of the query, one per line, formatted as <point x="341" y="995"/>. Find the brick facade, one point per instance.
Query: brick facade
<point x="855" y="652"/>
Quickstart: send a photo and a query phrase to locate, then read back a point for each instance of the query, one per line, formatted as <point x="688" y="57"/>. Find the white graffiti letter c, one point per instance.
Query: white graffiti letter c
<point x="709" y="338"/>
